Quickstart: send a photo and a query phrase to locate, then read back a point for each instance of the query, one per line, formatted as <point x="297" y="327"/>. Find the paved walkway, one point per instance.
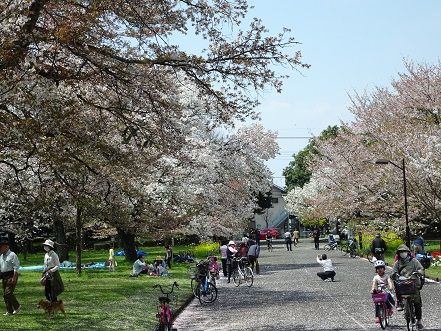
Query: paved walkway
<point x="288" y="295"/>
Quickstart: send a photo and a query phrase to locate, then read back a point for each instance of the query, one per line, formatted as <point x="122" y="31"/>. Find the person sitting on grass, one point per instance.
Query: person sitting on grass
<point x="328" y="268"/>
<point x="139" y="267"/>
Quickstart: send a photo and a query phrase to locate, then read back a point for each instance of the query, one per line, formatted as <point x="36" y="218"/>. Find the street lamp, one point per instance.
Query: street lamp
<point x="403" y="169"/>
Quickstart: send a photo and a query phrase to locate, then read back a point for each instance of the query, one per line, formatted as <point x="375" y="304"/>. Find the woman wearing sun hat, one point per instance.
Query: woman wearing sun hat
<point x="53" y="285"/>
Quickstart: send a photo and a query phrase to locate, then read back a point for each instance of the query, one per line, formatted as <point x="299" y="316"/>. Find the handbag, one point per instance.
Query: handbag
<point x="47" y="276"/>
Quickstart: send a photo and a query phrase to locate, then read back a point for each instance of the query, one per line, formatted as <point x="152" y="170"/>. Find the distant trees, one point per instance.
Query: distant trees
<point x="297" y="172"/>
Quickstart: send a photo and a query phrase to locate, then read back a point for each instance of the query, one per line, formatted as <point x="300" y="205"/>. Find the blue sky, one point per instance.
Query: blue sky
<point x="352" y="45"/>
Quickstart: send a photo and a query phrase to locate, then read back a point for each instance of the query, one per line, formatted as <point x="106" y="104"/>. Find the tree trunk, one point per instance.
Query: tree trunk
<point x="60" y="239"/>
<point x="78" y="237"/>
<point x="128" y="241"/>
<point x="12" y="242"/>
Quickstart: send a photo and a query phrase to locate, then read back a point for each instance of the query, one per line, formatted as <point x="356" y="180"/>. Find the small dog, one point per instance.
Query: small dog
<point x="51" y="307"/>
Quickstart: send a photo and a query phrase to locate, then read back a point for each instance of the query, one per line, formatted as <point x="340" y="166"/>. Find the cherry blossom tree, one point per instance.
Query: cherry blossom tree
<point x="402" y="122"/>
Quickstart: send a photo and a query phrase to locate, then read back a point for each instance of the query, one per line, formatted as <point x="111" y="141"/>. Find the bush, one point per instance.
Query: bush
<point x="204" y="249"/>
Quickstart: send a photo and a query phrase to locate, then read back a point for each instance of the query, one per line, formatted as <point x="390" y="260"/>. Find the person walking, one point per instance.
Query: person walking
<point x="223" y="253"/>
<point x="288" y="241"/>
<point x="231" y="253"/>
<point x="112" y="257"/>
<point x="253" y="256"/>
<point x="296" y="236"/>
<point x="378" y="247"/>
<point x="9" y="265"/>
<point x="316" y="236"/>
<point x="53" y="285"/>
<point x="257" y="236"/>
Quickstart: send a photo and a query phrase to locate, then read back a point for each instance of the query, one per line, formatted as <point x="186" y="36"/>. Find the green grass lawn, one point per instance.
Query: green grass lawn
<point x="99" y="299"/>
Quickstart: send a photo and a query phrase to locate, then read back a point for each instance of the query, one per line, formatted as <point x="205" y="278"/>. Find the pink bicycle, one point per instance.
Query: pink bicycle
<point x="165" y="314"/>
<point x="381" y="310"/>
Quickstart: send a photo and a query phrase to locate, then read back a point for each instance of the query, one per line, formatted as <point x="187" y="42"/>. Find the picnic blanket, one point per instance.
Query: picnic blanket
<point x="139" y="252"/>
<point x="66" y="265"/>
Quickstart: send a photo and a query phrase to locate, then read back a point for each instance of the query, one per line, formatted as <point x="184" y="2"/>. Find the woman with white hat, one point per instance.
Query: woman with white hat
<point x="53" y="285"/>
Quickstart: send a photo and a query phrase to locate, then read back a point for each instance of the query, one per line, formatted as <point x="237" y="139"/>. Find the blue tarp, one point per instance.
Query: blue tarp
<point x="121" y="253"/>
<point x="66" y="265"/>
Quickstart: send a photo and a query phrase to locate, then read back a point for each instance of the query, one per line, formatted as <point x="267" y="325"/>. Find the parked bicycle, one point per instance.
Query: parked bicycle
<point x="242" y="272"/>
<point x="333" y="245"/>
<point x="165" y="314"/>
<point x="406" y="288"/>
<point x="202" y="287"/>
<point x="350" y="247"/>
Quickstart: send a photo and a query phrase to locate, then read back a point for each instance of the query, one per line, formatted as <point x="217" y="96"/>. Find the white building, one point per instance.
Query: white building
<point x="277" y="216"/>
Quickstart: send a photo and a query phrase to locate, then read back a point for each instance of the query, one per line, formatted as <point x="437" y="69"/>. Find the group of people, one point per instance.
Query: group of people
<point x="405" y="265"/>
<point x="159" y="267"/>
<point x="9" y="266"/>
<point x="247" y="248"/>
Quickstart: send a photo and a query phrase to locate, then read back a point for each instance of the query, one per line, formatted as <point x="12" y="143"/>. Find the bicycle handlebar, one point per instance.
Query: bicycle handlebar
<point x="171" y="291"/>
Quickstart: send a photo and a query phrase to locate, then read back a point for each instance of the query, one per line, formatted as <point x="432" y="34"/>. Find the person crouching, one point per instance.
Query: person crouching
<point x="328" y="268"/>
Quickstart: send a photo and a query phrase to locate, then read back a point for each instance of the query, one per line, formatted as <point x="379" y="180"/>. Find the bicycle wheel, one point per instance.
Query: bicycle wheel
<point x="191" y="270"/>
<point x="236" y="277"/>
<point x="166" y="319"/>
<point x="344" y="250"/>
<point x="327" y="247"/>
<point x="249" y="276"/>
<point x="194" y="286"/>
<point x="209" y="295"/>
<point x="382" y="315"/>
<point x="408" y="314"/>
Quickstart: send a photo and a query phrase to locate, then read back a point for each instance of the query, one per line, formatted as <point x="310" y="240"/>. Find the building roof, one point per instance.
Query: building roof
<point x="283" y="191"/>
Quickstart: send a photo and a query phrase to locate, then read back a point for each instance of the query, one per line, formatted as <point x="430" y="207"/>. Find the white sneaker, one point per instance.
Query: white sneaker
<point x="7" y="313"/>
<point x="17" y="310"/>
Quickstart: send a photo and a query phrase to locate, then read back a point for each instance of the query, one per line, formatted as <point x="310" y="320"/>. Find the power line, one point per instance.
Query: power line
<point x="295" y="137"/>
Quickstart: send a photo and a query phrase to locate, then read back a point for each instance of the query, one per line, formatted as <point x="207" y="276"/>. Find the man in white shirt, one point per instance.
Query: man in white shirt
<point x="328" y="268"/>
<point x="288" y="241"/>
<point x="139" y="266"/>
<point x="9" y="265"/>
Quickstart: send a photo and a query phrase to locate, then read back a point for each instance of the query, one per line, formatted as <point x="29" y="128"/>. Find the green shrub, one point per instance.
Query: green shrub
<point x="204" y="249"/>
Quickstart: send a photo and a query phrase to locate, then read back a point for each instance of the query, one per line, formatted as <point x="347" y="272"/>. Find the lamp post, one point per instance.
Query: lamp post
<point x="403" y="169"/>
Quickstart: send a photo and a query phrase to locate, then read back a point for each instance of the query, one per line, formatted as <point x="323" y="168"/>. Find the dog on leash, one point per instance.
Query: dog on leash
<point x="51" y="307"/>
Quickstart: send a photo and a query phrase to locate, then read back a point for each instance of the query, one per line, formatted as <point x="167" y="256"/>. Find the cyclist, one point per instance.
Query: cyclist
<point x="382" y="282"/>
<point x="405" y="266"/>
<point x="378" y="247"/>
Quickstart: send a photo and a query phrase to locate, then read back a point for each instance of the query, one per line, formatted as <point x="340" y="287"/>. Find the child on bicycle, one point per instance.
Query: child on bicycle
<point x="382" y="283"/>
